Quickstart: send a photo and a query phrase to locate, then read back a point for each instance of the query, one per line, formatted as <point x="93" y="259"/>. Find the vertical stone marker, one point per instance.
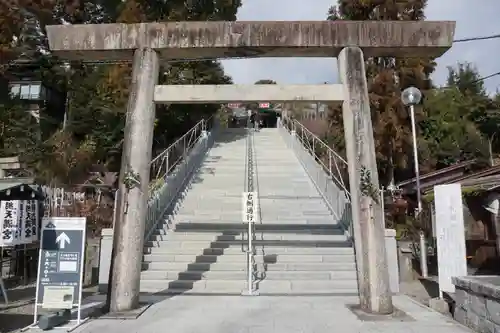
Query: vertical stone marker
<point x="367" y="218"/>
<point x="450" y="235"/>
<point x="134" y="182"/>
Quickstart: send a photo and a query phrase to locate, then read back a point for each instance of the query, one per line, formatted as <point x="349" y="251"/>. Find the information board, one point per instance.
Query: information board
<point x="60" y="268"/>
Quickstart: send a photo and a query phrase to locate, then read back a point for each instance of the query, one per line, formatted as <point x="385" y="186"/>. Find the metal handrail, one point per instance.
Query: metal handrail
<point x="330" y="160"/>
<point x="263" y="275"/>
<point x="250" y="187"/>
<point x="168" y="164"/>
<point x="324" y="166"/>
<point x="166" y="161"/>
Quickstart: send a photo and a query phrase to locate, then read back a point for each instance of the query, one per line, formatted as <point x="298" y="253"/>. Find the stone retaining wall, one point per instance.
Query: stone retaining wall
<point x="478" y="302"/>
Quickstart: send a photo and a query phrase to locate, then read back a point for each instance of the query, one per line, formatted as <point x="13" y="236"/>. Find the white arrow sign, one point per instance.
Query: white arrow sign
<point x="62" y="239"/>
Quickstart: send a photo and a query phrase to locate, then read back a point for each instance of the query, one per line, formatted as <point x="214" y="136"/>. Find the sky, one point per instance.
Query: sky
<point x="480" y="19"/>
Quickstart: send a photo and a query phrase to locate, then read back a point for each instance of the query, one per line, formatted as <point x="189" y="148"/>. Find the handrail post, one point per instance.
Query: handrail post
<point x="250" y="290"/>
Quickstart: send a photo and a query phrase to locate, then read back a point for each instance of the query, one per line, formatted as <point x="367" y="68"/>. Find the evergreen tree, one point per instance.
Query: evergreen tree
<point x="449" y="135"/>
<point x="97" y="94"/>
<point x="482" y="109"/>
<point x="18" y="129"/>
<point x="387" y="77"/>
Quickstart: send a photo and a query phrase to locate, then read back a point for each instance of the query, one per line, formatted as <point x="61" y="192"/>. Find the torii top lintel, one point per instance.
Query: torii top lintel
<point x="198" y="40"/>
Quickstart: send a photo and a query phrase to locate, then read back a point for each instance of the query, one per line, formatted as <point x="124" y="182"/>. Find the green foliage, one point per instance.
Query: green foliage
<point x="367" y="187"/>
<point x="450" y="136"/>
<point x="467" y="191"/>
<point x="387" y="77"/>
<point x="481" y="109"/>
<point x="453" y="125"/>
<point x="97" y="95"/>
<point x="255" y="105"/>
<point x="265" y="81"/>
<point x="19" y="130"/>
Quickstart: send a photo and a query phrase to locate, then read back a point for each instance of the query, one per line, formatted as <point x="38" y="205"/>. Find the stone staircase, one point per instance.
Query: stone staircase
<point x="298" y="246"/>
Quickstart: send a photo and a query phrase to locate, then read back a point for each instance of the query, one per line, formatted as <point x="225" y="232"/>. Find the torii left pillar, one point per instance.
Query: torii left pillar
<point x="132" y="203"/>
<point x="367" y="212"/>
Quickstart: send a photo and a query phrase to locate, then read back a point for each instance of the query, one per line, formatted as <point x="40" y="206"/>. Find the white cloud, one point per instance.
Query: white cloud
<point x="477" y="20"/>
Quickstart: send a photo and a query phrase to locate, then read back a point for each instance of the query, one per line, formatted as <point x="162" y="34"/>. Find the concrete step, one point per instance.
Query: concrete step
<point x="198" y="258"/>
<point x="174" y="237"/>
<point x="208" y="217"/>
<point x="285" y="210"/>
<point x="242" y="275"/>
<point x="190" y="213"/>
<point x="267" y="226"/>
<point x="205" y="192"/>
<point x="241" y="256"/>
<point x="340" y="242"/>
<point x="236" y="286"/>
<point x="307" y="286"/>
<point x="207" y="200"/>
<point x="222" y="219"/>
<point x="218" y="185"/>
<point x="236" y="249"/>
<point x="174" y="231"/>
<point x="241" y="266"/>
<point x="236" y="214"/>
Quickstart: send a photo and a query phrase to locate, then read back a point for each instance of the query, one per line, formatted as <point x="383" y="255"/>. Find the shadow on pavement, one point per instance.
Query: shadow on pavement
<point x="10" y="322"/>
<point x="19" y="313"/>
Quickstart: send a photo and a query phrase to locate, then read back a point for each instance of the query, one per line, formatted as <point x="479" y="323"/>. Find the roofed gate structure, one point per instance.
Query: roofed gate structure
<point x="147" y="45"/>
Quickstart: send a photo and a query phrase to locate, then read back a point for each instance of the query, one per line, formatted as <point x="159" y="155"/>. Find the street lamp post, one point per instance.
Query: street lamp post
<point x="411" y="96"/>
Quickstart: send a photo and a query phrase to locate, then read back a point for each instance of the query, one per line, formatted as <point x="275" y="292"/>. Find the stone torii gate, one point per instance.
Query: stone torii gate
<point x="148" y="44"/>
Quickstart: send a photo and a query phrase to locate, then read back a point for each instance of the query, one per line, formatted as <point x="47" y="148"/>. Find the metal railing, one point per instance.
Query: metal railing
<point x="250" y="187"/>
<point x="325" y="167"/>
<point x="334" y="164"/>
<point x="258" y="276"/>
<point x="165" y="162"/>
<point x="171" y="169"/>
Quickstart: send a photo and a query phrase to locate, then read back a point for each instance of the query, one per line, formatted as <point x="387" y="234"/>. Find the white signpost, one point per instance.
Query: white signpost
<point x="250" y="209"/>
<point x="250" y="215"/>
<point x="450" y="234"/>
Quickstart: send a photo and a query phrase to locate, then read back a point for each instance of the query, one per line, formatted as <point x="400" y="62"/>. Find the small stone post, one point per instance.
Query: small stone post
<point x="368" y="228"/>
<point x="134" y="181"/>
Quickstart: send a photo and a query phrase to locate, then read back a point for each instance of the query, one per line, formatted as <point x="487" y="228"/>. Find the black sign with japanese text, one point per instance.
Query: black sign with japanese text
<point x="61" y="262"/>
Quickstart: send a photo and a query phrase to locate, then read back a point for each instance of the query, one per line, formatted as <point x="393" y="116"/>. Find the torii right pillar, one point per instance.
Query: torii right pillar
<point x="367" y="214"/>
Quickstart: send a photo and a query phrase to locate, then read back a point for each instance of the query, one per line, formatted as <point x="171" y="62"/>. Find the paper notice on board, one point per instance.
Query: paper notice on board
<point x="58" y="297"/>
